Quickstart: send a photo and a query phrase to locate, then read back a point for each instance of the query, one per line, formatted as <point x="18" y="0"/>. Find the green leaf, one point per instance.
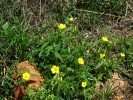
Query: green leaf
<point x="58" y="56"/>
<point x="48" y="50"/>
<point x="44" y="45"/>
<point x="42" y="49"/>
<point x="5" y="26"/>
<point x="100" y="76"/>
<point x="23" y="69"/>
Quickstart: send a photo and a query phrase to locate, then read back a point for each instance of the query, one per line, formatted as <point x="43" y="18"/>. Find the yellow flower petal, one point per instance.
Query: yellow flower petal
<point x="81" y="61"/>
<point x="122" y="54"/>
<point x="84" y="84"/>
<point x="71" y="19"/>
<point x="61" y="26"/>
<point x="26" y="76"/>
<point x="105" y="39"/>
<point x="102" y="55"/>
<point x="55" y="69"/>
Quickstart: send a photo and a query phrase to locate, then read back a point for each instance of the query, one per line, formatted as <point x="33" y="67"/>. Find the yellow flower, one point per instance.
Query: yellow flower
<point x="84" y="84"/>
<point x="26" y="76"/>
<point x="61" y="26"/>
<point x="55" y="69"/>
<point x="122" y="54"/>
<point x="105" y="39"/>
<point x="81" y="61"/>
<point x="102" y="55"/>
<point x="71" y="19"/>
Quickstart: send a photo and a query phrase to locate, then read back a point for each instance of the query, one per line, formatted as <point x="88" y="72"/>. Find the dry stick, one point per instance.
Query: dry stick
<point x="126" y="8"/>
<point x="40" y="8"/>
<point x="106" y="14"/>
<point x="129" y="6"/>
<point x="99" y="13"/>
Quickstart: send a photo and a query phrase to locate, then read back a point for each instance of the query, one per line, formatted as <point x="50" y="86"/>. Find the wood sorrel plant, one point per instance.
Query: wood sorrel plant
<point x="70" y="63"/>
<point x="63" y="59"/>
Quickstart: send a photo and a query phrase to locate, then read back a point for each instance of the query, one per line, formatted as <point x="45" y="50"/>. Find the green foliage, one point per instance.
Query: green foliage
<point x="16" y="38"/>
<point x="6" y="84"/>
<point x="47" y="45"/>
<point x="62" y="48"/>
<point x="89" y="12"/>
<point x="125" y="45"/>
<point x="105" y="93"/>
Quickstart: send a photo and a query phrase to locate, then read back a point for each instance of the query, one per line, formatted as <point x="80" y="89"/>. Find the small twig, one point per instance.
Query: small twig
<point x="99" y="13"/>
<point x="129" y="6"/>
<point x="40" y="8"/>
<point x="126" y="8"/>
